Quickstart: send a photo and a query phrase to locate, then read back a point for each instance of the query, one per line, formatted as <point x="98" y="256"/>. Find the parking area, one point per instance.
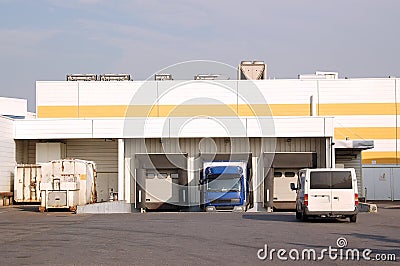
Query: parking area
<point x="62" y="238"/>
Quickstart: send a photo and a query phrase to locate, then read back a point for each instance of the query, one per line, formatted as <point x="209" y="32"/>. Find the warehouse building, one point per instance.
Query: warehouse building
<point x="150" y="138"/>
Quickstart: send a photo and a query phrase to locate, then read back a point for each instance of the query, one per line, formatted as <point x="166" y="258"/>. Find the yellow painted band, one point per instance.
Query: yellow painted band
<point x="333" y="109"/>
<point x="58" y="112"/>
<point x="215" y="110"/>
<point x="380" y="157"/>
<point x="366" y="132"/>
<point x="173" y="110"/>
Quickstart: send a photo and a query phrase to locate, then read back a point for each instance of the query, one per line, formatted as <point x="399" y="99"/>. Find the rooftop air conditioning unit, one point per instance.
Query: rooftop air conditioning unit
<point x="320" y="75"/>
<point x="163" y="77"/>
<point x="115" y="77"/>
<point x="207" y="77"/>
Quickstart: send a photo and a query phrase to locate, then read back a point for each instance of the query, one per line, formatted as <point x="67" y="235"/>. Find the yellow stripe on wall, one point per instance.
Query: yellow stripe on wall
<point x="366" y="132"/>
<point x="380" y="157"/>
<point x="290" y="109"/>
<point x="102" y="111"/>
<point x="173" y="110"/>
<point x="216" y="110"/>
<point x="57" y="111"/>
<point x="332" y="109"/>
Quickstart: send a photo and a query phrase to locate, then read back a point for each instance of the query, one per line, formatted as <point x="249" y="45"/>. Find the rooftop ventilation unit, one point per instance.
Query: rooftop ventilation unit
<point x="207" y="77"/>
<point x="163" y="77"/>
<point x="252" y="70"/>
<point x="320" y="75"/>
<point x="115" y="77"/>
<point x="81" y="77"/>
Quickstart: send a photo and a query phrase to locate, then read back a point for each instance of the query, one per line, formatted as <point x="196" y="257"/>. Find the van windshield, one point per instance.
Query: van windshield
<point x="331" y="180"/>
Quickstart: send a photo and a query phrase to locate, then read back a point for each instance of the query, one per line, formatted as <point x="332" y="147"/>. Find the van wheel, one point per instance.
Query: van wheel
<point x="353" y="218"/>
<point x="298" y="215"/>
<point x="304" y="216"/>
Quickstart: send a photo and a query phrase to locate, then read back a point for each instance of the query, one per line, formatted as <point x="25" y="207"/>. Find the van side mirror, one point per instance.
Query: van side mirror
<point x="293" y="186"/>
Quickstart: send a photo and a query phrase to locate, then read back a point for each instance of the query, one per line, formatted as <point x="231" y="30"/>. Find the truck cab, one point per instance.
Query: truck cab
<point x="224" y="186"/>
<point x="326" y="192"/>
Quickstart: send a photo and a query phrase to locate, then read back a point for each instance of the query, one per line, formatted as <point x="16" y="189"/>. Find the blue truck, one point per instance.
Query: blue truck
<point x="225" y="186"/>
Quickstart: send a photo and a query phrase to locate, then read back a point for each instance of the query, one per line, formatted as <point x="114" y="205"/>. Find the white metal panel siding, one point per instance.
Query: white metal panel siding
<point x="206" y="127"/>
<point x="295" y="91"/>
<point x="103" y="153"/>
<point x="173" y="127"/>
<point x="197" y="92"/>
<point x="7" y="154"/>
<point x="113" y="93"/>
<point x="365" y="121"/>
<point x="13" y="107"/>
<point x="353" y="161"/>
<point x="356" y="91"/>
<point x="57" y="93"/>
<point x="53" y="129"/>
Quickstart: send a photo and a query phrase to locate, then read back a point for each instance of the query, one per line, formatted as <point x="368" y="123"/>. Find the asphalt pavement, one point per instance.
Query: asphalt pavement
<point x="62" y="238"/>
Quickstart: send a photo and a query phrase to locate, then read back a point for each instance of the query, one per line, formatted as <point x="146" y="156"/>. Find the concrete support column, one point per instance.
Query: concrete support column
<point x="330" y="153"/>
<point x="257" y="185"/>
<point x="127" y="174"/>
<point x="333" y="153"/>
<point x="193" y="184"/>
<point x="121" y="169"/>
<point x="141" y="188"/>
<point x="269" y="191"/>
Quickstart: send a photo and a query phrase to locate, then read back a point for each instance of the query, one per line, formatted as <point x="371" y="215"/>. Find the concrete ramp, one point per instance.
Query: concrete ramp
<point x="106" y="207"/>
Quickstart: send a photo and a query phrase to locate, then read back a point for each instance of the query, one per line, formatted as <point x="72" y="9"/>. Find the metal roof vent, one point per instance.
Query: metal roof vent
<point x="252" y="70"/>
<point x="81" y="77"/>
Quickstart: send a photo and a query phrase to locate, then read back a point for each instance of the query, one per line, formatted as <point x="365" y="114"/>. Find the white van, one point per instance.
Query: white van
<point x="326" y="192"/>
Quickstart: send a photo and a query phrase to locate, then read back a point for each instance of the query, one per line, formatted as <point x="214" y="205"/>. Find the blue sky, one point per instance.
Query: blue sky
<point x="47" y="39"/>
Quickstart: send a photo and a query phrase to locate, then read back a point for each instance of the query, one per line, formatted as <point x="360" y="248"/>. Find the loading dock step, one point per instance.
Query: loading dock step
<point x="105" y="207"/>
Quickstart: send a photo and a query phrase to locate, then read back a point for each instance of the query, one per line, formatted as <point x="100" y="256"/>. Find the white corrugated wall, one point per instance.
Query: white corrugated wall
<point x="7" y="155"/>
<point x="352" y="160"/>
<point x="304" y="145"/>
<point x="104" y="152"/>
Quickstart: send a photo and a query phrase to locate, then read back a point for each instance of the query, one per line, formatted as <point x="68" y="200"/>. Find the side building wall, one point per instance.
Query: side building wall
<point x="7" y="156"/>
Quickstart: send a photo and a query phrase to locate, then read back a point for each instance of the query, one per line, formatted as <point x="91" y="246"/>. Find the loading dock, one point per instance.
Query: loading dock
<point x="281" y="170"/>
<point x="247" y="158"/>
<point x="160" y="183"/>
<point x="102" y="151"/>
